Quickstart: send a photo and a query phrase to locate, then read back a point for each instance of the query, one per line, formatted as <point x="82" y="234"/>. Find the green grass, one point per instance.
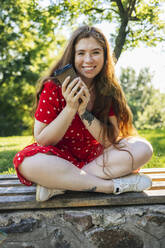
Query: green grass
<point x="157" y="139"/>
<point x="9" y="146"/>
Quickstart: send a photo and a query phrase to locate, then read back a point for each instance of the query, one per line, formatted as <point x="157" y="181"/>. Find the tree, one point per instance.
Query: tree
<point x="27" y="40"/>
<point x="153" y="115"/>
<point x="147" y="104"/>
<point x="135" y="20"/>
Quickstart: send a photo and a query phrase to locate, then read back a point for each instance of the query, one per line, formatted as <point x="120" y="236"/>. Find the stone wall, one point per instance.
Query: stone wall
<point x="109" y="227"/>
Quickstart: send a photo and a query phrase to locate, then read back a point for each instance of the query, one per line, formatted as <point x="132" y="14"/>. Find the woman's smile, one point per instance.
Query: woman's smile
<point x="88" y="69"/>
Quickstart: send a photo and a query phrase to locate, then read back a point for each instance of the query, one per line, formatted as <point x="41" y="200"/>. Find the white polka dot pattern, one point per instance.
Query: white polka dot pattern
<point x="49" y="105"/>
<point x="77" y="144"/>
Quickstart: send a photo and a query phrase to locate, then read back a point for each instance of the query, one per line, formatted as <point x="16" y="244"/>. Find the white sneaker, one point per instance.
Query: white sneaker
<point x="43" y="193"/>
<point x="131" y="183"/>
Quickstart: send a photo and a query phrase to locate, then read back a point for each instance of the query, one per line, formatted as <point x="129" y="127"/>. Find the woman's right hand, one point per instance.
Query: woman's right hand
<point x="72" y="92"/>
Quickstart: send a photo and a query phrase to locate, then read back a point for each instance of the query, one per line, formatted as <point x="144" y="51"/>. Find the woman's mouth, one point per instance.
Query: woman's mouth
<point x="88" y="68"/>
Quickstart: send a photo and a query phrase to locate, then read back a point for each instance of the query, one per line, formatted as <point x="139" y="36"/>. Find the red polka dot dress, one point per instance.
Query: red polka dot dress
<point x="77" y="145"/>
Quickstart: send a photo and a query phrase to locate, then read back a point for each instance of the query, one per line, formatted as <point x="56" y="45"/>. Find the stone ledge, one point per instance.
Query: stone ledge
<point x="94" y="227"/>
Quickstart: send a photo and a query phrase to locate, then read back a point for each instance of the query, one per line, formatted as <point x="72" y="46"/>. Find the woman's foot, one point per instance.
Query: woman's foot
<point x="131" y="183"/>
<point x="43" y="193"/>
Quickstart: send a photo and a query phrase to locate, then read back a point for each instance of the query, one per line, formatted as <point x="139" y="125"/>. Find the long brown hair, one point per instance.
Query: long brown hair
<point x="107" y="88"/>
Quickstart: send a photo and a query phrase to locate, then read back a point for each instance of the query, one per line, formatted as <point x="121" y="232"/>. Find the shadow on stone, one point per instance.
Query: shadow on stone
<point x="115" y="238"/>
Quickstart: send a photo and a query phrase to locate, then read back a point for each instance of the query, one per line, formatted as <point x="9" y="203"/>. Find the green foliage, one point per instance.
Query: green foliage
<point x="153" y="115"/>
<point x="147" y="104"/>
<point x="134" y="21"/>
<point x="148" y="26"/>
<point x="27" y="40"/>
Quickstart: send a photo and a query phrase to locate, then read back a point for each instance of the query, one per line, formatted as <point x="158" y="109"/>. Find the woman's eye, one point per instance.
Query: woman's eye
<point x="96" y="52"/>
<point x="80" y="53"/>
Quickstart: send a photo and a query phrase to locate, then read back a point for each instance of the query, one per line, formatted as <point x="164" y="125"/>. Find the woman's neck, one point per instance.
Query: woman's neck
<point x="89" y="82"/>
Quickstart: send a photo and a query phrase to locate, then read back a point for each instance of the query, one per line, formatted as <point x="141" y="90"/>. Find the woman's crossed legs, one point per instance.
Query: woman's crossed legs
<point x="56" y="173"/>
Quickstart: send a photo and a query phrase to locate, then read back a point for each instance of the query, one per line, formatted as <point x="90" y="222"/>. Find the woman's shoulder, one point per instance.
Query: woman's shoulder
<point x="51" y="85"/>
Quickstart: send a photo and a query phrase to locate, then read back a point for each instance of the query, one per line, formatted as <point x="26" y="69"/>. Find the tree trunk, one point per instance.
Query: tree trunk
<point x="120" y="39"/>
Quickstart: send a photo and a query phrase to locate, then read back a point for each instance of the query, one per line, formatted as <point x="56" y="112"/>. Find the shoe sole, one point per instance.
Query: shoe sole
<point x="37" y="193"/>
<point x="59" y="192"/>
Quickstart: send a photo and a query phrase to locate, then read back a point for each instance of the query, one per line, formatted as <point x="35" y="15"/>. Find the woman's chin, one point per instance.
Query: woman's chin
<point x="87" y="76"/>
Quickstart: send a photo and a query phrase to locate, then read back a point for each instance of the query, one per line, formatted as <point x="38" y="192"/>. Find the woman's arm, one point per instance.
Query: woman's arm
<point x="95" y="127"/>
<point x="52" y="133"/>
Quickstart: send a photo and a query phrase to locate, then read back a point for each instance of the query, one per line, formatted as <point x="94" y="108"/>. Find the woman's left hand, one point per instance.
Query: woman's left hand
<point x="84" y="101"/>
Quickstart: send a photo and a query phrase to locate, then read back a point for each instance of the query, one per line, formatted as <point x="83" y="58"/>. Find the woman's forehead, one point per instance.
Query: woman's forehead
<point x="87" y="43"/>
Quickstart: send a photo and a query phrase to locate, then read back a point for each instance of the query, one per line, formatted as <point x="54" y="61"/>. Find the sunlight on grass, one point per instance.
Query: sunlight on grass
<point x="15" y="142"/>
<point x="157" y="139"/>
<point x="9" y="146"/>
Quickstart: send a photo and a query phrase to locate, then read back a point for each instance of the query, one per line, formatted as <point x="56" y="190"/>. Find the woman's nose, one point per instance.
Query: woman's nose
<point x="88" y="58"/>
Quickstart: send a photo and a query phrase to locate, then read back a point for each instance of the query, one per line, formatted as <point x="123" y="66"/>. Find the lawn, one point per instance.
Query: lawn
<point x="9" y="146"/>
<point x="157" y="139"/>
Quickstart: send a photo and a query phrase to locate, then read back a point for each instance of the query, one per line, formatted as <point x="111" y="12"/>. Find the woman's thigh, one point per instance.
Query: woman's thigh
<point x="134" y="153"/>
<point x="42" y="165"/>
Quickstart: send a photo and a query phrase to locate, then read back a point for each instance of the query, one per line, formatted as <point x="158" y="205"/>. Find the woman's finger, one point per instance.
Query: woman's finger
<point x="84" y="99"/>
<point x="76" y="89"/>
<point x="86" y="91"/>
<point x="72" y="84"/>
<point x="79" y="94"/>
<point x="86" y="94"/>
<point x="65" y="83"/>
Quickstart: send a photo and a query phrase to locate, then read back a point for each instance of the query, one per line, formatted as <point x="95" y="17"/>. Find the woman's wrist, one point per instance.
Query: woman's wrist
<point x="87" y="116"/>
<point x="71" y="110"/>
<point x="81" y="112"/>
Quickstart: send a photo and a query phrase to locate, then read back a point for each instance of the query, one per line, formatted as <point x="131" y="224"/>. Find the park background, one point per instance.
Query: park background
<point x="33" y="35"/>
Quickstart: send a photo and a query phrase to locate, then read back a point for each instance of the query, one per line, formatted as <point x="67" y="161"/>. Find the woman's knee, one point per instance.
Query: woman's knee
<point x="147" y="150"/>
<point x="142" y="152"/>
<point x="25" y="169"/>
<point x="117" y="163"/>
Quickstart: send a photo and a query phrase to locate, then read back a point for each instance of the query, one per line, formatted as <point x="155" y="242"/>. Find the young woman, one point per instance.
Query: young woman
<point x="85" y="140"/>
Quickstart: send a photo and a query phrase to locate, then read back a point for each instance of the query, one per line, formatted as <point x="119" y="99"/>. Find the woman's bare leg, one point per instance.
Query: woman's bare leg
<point x="57" y="173"/>
<point x="119" y="163"/>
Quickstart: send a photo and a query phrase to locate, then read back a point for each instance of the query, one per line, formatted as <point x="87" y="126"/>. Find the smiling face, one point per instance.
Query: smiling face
<point x="89" y="58"/>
